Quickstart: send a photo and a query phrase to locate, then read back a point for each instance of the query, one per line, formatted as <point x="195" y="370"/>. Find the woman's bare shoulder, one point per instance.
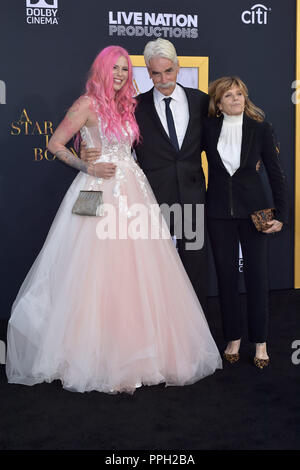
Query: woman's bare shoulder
<point x="84" y="105"/>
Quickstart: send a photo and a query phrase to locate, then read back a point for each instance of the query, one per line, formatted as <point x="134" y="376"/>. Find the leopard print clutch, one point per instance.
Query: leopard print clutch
<point x="260" y="218"/>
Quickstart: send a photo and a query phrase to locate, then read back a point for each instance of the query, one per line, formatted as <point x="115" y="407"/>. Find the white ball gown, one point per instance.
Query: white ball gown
<point x="108" y="314"/>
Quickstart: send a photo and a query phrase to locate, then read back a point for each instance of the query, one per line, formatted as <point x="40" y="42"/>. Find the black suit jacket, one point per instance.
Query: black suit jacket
<point x="175" y="176"/>
<point x="243" y="193"/>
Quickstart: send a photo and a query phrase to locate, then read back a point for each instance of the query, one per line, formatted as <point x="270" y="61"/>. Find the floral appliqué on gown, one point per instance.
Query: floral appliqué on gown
<point x="108" y="313"/>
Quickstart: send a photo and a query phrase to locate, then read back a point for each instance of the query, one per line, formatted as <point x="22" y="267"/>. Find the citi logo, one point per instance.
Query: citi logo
<point x="258" y="14"/>
<point x="2" y="92"/>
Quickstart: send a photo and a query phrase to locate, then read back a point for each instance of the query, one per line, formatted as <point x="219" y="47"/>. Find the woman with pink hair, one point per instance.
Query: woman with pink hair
<point x="107" y="304"/>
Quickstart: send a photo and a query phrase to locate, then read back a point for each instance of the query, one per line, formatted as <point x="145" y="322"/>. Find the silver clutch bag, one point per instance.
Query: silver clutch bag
<point x="88" y="203"/>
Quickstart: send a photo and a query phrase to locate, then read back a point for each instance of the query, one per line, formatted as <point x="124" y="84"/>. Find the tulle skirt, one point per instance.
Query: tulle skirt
<point x="108" y="314"/>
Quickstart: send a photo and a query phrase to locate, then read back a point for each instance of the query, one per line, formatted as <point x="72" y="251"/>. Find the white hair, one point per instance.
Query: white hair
<point x="162" y="48"/>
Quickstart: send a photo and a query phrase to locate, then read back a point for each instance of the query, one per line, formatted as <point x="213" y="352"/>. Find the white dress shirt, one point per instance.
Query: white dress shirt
<point x="230" y="142"/>
<point x="180" y="111"/>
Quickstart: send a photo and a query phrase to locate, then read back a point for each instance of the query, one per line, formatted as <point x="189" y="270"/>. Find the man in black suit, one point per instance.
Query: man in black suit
<point x="170" y="154"/>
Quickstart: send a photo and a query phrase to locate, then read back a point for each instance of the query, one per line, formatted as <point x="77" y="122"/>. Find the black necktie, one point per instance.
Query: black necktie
<point x="171" y="125"/>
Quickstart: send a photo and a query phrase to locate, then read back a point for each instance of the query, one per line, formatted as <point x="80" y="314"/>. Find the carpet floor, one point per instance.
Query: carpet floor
<point x="237" y="408"/>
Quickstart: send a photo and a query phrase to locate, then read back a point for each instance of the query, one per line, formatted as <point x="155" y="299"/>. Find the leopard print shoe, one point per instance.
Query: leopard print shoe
<point x="261" y="363"/>
<point x="232" y="358"/>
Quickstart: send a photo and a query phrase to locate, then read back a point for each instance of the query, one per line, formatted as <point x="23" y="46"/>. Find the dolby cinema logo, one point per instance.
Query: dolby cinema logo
<point x="42" y="12"/>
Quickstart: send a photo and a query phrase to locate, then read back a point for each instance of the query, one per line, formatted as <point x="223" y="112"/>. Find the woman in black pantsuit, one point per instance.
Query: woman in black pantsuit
<point x="237" y="142"/>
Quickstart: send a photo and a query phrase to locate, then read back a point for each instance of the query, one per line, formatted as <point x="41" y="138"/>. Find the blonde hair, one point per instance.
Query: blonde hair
<point x="162" y="48"/>
<point x="217" y="89"/>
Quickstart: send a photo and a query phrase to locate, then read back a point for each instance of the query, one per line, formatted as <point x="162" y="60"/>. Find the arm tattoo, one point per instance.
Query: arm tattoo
<point x="67" y="157"/>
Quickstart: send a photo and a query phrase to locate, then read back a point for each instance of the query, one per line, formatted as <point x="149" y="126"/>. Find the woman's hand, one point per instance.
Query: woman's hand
<point x="102" y="170"/>
<point x="89" y="155"/>
<point x="275" y="226"/>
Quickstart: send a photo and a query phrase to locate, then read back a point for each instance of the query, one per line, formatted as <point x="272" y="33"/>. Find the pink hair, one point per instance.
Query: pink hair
<point x="115" y="109"/>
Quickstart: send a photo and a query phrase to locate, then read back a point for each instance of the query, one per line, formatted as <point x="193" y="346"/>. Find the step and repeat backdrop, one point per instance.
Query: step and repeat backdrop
<point x="47" y="47"/>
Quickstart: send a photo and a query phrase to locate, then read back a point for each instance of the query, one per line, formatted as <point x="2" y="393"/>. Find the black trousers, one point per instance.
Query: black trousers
<point x="225" y="235"/>
<point x="194" y="260"/>
<point x="195" y="264"/>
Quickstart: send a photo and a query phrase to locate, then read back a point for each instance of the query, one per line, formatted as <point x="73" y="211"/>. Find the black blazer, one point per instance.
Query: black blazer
<point x="175" y="176"/>
<point x="243" y="193"/>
